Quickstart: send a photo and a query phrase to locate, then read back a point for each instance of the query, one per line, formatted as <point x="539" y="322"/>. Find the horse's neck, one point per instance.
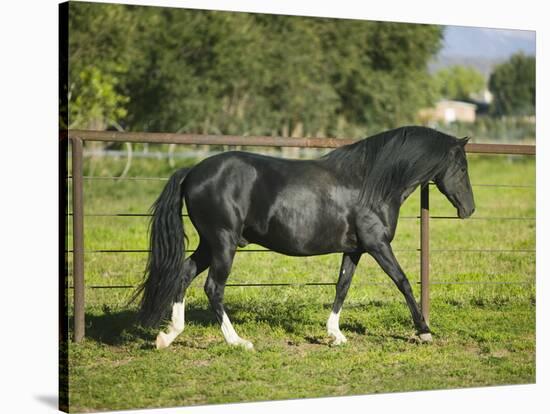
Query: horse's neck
<point x="398" y="198"/>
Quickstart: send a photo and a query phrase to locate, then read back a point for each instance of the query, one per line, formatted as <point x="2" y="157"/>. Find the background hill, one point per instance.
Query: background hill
<point x="481" y="48"/>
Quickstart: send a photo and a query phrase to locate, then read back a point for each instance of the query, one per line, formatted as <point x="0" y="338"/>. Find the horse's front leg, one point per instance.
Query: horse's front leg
<point x="347" y="269"/>
<point x="383" y="254"/>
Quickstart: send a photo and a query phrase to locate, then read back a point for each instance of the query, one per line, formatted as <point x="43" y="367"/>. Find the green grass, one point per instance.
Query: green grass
<point x="484" y="333"/>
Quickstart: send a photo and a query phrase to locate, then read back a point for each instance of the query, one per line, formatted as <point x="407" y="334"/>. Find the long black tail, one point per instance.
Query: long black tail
<point x="164" y="273"/>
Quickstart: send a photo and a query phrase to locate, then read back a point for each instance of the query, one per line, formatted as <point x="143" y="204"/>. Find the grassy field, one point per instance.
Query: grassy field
<point x="484" y="333"/>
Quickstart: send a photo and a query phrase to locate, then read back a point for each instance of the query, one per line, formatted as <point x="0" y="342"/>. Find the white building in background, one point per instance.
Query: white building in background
<point x="448" y="111"/>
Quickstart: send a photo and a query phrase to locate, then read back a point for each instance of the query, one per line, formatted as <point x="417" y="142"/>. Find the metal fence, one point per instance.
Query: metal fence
<point x="77" y="137"/>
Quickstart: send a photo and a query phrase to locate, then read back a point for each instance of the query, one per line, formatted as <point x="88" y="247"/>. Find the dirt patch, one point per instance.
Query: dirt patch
<point x="201" y="363"/>
<point x="500" y="353"/>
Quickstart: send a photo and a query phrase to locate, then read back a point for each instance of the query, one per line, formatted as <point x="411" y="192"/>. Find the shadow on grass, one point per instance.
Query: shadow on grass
<point x="353" y="327"/>
<point x="117" y="327"/>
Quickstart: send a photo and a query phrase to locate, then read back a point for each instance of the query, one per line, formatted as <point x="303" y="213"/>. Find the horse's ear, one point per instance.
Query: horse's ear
<point x="463" y="141"/>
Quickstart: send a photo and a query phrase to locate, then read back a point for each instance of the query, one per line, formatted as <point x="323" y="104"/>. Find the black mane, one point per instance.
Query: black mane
<point x="391" y="162"/>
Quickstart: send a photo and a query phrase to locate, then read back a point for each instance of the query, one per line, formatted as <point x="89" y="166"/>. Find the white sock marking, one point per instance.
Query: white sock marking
<point x="333" y="329"/>
<point x="231" y="336"/>
<point x="175" y="328"/>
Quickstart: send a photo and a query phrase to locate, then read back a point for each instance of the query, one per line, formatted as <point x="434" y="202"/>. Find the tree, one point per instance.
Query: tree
<point x="513" y="85"/>
<point x="170" y="69"/>
<point x="101" y="50"/>
<point x="458" y="82"/>
<point x="233" y="73"/>
<point x="94" y="102"/>
<point x="379" y="69"/>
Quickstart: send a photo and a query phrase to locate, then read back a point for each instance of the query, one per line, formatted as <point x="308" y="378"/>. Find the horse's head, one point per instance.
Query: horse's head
<point x="454" y="181"/>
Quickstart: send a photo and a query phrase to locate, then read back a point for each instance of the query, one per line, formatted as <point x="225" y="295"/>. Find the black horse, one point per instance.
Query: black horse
<point x="347" y="201"/>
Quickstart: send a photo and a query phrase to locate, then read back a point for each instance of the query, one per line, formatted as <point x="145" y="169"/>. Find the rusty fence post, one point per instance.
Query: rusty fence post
<point x="78" y="240"/>
<point x="425" y="252"/>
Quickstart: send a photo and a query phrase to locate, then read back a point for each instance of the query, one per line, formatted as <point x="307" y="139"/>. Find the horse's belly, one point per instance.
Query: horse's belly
<point x="304" y="227"/>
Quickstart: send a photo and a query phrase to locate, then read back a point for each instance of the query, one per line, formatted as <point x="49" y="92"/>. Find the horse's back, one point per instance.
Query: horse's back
<point x="245" y="180"/>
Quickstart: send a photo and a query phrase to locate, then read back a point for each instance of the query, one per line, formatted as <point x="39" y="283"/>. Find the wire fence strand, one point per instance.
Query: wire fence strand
<point x="306" y="284"/>
<point x="272" y="251"/>
<point x="401" y="217"/>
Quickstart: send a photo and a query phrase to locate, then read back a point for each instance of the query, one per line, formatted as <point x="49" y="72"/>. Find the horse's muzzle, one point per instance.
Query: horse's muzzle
<point x="464" y="214"/>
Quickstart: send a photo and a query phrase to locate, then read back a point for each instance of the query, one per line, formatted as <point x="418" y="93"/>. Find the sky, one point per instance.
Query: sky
<point x="486" y="42"/>
<point x="481" y="48"/>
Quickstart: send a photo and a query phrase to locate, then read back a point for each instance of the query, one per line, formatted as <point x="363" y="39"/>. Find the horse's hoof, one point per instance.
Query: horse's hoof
<point x="426" y="337"/>
<point x="247" y="345"/>
<point x="242" y="343"/>
<point x="162" y="341"/>
<point x="339" y="340"/>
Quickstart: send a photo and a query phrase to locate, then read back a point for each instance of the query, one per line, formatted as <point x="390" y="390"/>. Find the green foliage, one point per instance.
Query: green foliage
<point x="513" y="85"/>
<point x="100" y="54"/>
<point x="241" y="73"/>
<point x="475" y="346"/>
<point x="94" y="102"/>
<point x="379" y="70"/>
<point x="458" y="82"/>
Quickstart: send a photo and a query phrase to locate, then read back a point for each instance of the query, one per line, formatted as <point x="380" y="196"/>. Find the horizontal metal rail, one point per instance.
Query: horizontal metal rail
<point x="262" y="141"/>
<point x="200" y="139"/>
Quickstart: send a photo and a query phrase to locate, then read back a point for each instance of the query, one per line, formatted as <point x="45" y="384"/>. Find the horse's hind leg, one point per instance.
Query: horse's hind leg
<point x="192" y="267"/>
<point x="347" y="269"/>
<point x="222" y="259"/>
